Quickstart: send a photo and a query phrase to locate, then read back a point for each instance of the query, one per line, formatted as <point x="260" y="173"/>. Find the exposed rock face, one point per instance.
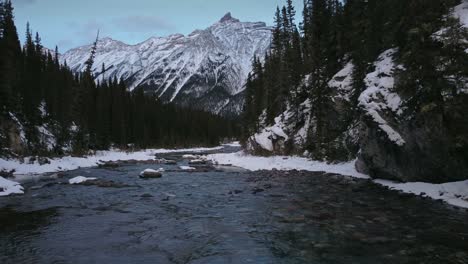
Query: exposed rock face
<point x="390" y="141"/>
<point x="12" y="137"/>
<point x="206" y="69"/>
<point x="291" y="133"/>
<point x="429" y="145"/>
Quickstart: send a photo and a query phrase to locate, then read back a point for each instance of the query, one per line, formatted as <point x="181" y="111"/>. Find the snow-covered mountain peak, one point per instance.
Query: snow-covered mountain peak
<point x="228" y="19"/>
<point x="205" y="69"/>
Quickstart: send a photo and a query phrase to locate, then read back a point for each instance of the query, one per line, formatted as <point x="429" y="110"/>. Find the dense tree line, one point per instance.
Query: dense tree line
<point x="40" y="96"/>
<point x="305" y="57"/>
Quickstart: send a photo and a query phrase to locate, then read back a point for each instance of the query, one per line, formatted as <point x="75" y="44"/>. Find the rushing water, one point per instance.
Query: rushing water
<point x="226" y="215"/>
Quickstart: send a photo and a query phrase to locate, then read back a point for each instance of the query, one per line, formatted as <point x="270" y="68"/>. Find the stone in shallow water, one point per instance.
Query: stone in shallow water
<point x="80" y="180"/>
<point x="110" y="164"/>
<point x="104" y="184"/>
<point x="150" y="174"/>
<point x="197" y="162"/>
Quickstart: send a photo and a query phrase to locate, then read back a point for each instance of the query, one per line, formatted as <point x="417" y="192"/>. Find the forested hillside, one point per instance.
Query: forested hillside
<point x="381" y="80"/>
<point x="46" y="109"/>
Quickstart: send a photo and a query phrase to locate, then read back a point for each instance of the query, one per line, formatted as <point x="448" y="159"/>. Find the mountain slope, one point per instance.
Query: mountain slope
<point x="205" y="69"/>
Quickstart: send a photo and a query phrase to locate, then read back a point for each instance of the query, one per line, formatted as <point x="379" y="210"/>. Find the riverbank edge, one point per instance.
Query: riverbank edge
<point x="32" y="166"/>
<point x="453" y="193"/>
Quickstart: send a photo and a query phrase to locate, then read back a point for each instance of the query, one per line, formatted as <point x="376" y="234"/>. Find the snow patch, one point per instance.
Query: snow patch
<point x="454" y="193"/>
<point x="461" y="12"/>
<point x="8" y="187"/>
<point x="285" y="163"/>
<point x="233" y="144"/>
<point x="72" y="163"/>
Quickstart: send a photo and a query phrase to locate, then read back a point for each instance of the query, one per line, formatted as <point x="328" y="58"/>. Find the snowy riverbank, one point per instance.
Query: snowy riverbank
<point x="454" y="193"/>
<point x="72" y="163"/>
<point x="26" y="167"/>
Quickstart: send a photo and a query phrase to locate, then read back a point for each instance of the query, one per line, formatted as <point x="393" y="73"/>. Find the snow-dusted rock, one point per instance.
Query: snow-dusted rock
<point x="207" y="68"/>
<point x="190" y="156"/>
<point x="271" y="138"/>
<point x="80" y="179"/>
<point x="380" y="96"/>
<point x="197" y="162"/>
<point x="342" y="82"/>
<point x="8" y="187"/>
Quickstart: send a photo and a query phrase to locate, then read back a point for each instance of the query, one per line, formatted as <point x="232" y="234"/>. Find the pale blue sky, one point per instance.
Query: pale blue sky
<point x="71" y="23"/>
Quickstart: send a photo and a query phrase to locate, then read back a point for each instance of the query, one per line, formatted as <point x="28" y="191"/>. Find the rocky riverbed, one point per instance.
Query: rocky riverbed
<point x="224" y="215"/>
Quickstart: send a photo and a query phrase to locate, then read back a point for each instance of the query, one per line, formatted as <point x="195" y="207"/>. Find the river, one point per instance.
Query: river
<point x="225" y="215"/>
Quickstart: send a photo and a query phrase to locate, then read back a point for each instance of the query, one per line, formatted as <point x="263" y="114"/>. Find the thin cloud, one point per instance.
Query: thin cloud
<point x="142" y="24"/>
<point x="88" y="30"/>
<point x="23" y="2"/>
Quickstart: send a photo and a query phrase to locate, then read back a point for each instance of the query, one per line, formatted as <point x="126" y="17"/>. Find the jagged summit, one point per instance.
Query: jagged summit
<point x="228" y="18"/>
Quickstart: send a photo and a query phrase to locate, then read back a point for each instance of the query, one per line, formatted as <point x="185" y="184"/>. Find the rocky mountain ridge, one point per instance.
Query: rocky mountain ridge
<point x="206" y="69"/>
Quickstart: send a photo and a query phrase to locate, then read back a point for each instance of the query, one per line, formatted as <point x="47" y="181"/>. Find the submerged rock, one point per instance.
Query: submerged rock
<point x="104" y="184"/>
<point x="150" y="174"/>
<point x="80" y="180"/>
<point x="110" y="164"/>
<point x="7" y="174"/>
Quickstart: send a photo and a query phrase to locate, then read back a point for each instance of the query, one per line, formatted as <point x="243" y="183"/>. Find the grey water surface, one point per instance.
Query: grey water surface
<point x="225" y="215"/>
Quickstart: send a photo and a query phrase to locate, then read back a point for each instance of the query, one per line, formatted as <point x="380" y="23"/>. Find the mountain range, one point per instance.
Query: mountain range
<point x="206" y="69"/>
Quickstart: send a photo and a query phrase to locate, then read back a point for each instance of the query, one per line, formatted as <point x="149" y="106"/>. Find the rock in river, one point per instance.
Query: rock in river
<point x="197" y="162"/>
<point x="150" y="174"/>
